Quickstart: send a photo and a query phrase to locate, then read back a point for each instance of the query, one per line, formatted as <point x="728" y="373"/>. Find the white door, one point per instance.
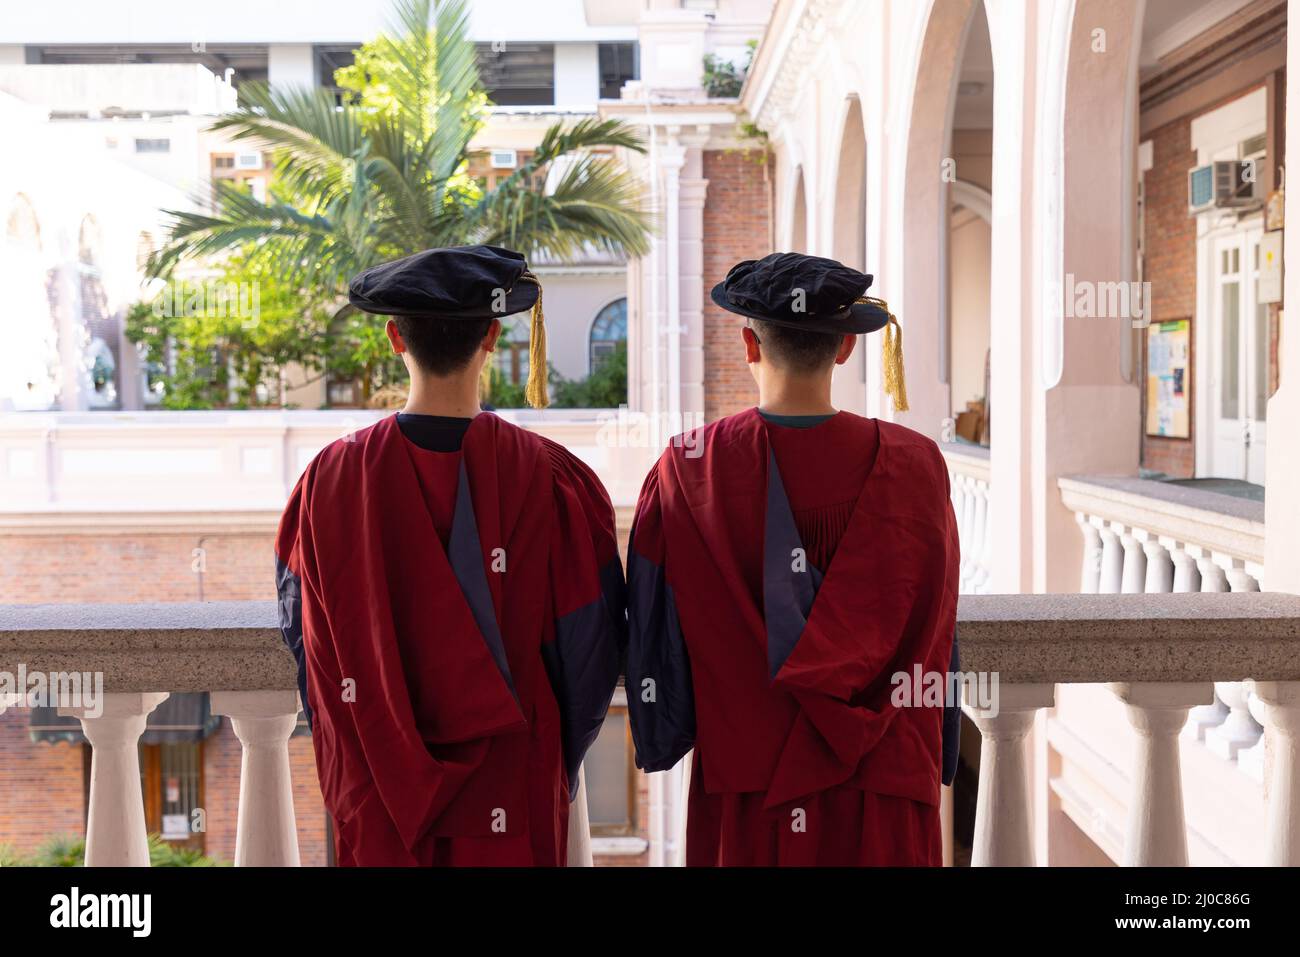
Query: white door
<point x="1238" y="359"/>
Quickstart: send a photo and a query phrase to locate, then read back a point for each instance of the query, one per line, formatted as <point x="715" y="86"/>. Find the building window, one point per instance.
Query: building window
<point x="223" y="162"/>
<point x="518" y="74"/>
<point x="172" y="781"/>
<point x="610" y="773"/>
<point x="608" y="330"/>
<point x="153" y="146"/>
<point x="512" y="353"/>
<point x="618" y="64"/>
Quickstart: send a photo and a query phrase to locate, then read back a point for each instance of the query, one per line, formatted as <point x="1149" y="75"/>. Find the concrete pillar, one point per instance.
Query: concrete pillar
<point x="292" y="64"/>
<point x="1281" y="507"/>
<point x="577" y="74"/>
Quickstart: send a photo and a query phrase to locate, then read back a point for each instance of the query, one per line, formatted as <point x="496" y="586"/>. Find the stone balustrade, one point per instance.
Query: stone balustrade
<point x="968" y="472"/>
<point x="1160" y="656"/>
<point x="232" y="650"/>
<point x="1149" y="537"/>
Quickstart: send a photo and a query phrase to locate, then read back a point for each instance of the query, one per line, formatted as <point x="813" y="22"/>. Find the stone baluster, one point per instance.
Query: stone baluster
<point x="964" y="530"/>
<point x="1250" y="761"/>
<point x="1282" y="832"/>
<point x="1156" y="833"/>
<point x="1239" y="730"/>
<point x="1112" y="559"/>
<point x="978" y="538"/>
<point x="1003" y="811"/>
<point x="1091" y="582"/>
<point x="1159" y="565"/>
<point x="1135" y="562"/>
<point x="266" y="833"/>
<point x="986" y="554"/>
<point x="115" y="825"/>
<point x="1186" y="576"/>
<point x="579" y="853"/>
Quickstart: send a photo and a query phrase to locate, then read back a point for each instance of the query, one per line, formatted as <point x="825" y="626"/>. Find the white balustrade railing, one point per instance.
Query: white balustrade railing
<point x="231" y="649"/>
<point x="1160" y="655"/>
<point x="1147" y="537"/>
<point x="968" y="472"/>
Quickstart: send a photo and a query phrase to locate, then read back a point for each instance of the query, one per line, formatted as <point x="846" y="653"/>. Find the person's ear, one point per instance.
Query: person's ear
<point x="394" y="337"/>
<point x="493" y="333"/>
<point x="846" y="349"/>
<point x="752" y="352"/>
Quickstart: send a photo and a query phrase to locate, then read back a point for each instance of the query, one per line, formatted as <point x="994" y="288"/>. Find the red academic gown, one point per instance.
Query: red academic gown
<point x="458" y="621"/>
<point x="766" y="628"/>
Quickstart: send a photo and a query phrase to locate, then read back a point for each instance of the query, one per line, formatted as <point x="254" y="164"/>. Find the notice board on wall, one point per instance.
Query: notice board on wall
<point x="1169" y="355"/>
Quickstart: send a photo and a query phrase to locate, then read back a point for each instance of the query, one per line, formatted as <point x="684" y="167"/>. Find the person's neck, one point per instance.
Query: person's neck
<point x="787" y="396"/>
<point x="455" y="397"/>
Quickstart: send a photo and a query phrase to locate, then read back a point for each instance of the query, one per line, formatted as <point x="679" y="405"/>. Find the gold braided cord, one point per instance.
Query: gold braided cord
<point x="891" y="355"/>
<point x="535" y="391"/>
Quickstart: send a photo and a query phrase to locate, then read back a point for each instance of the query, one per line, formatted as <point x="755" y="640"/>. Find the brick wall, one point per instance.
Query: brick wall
<point x="40" y="786"/>
<point x="737" y="225"/>
<point x="1169" y="244"/>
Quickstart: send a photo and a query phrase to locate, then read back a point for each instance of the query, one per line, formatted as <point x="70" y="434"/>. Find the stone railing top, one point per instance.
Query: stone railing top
<point x="964" y="459"/>
<point x="1222" y="523"/>
<point x="236" y="646"/>
<point x="183" y="646"/>
<point x="1202" y="636"/>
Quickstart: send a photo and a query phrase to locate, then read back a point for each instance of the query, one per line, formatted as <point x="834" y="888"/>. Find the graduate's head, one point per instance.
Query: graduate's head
<point x="794" y="351"/>
<point x="805" y="314"/>
<point x="445" y="308"/>
<point x="442" y="347"/>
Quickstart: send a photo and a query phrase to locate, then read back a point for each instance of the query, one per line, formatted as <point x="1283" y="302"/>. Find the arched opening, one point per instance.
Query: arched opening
<point x="970" y="238"/>
<point x="99" y="358"/>
<point x="29" y="363"/>
<point x="953" y="82"/>
<point x="849" y="243"/>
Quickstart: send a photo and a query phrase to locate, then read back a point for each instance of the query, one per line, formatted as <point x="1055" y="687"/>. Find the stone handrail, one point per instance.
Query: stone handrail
<point x="1158" y="653"/>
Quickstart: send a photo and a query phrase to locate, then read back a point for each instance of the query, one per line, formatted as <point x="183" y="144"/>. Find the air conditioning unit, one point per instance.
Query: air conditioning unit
<point x="248" y="161"/>
<point x="1223" y="184"/>
<point x="505" y="159"/>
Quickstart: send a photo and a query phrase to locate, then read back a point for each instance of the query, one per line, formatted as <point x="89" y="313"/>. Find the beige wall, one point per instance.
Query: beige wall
<point x="969" y="265"/>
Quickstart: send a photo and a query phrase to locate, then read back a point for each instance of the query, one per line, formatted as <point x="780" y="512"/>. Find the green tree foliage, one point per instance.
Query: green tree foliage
<point x="605" y="388"/>
<point x="225" y="341"/>
<point x="384" y="174"/>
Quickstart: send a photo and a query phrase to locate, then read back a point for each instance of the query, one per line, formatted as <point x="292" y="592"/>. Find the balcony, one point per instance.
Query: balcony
<point x="1159" y="656"/>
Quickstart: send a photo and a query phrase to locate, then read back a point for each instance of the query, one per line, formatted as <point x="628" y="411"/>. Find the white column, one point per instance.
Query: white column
<point x="1112" y="559"/>
<point x="1004" y="826"/>
<point x="1135" y="563"/>
<point x="1282" y="841"/>
<point x="1091" y="582"/>
<point x="266" y="834"/>
<point x="1156" y="834"/>
<point x="579" y="854"/>
<point x="291" y="65"/>
<point x="1186" y="577"/>
<point x="1159" y="565"/>
<point x="978" y="577"/>
<point x="115" y="826"/>
<point x="1251" y="760"/>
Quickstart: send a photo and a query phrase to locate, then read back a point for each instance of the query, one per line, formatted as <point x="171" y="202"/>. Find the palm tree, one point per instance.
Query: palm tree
<point x="383" y="174"/>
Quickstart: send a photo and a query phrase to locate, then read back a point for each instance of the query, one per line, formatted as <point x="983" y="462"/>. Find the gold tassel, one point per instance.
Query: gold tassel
<point x="891" y="357"/>
<point x="535" y="391"/>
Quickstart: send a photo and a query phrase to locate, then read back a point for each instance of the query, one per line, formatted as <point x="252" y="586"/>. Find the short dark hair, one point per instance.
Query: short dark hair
<point x="441" y="346"/>
<point x="797" y="350"/>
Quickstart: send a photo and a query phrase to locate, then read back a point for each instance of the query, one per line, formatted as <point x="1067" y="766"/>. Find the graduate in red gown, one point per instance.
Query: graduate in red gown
<point x="787" y="565"/>
<point x="451" y="588"/>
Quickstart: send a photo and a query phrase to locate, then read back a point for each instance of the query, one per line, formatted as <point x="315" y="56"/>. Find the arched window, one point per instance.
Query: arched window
<point x="607" y="331"/>
<point x="22" y="226"/>
<point x="512" y="352"/>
